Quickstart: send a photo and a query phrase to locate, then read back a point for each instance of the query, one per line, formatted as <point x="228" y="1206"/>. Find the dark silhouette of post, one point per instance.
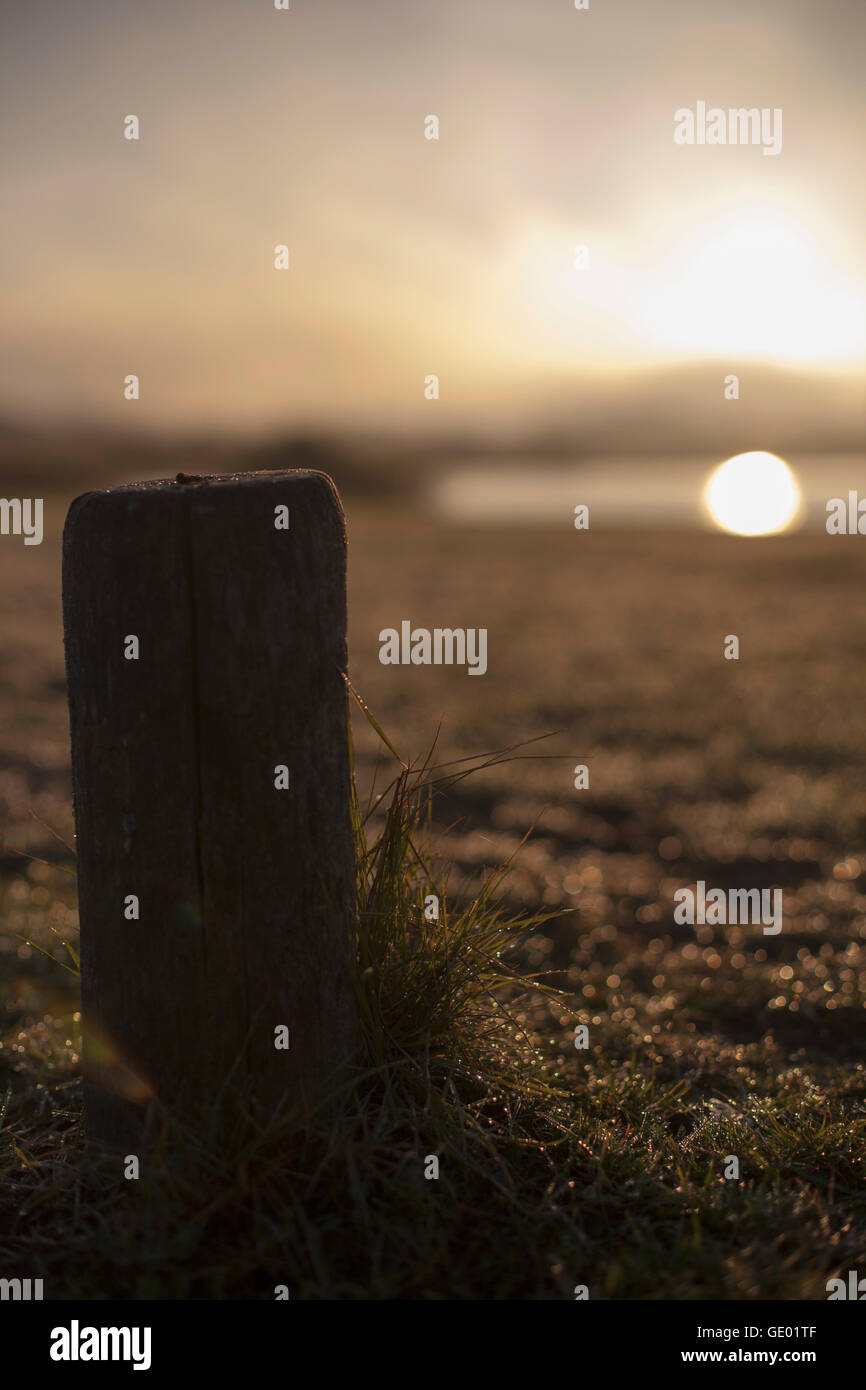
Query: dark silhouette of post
<point x="205" y="632"/>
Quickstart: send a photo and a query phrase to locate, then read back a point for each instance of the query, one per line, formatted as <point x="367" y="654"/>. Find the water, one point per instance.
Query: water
<point x="645" y="492"/>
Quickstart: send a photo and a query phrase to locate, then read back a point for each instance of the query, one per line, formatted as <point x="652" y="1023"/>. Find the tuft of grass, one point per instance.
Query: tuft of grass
<point x="428" y="977"/>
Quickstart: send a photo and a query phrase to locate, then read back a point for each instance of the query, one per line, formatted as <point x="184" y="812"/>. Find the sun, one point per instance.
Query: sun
<point x="753" y="494"/>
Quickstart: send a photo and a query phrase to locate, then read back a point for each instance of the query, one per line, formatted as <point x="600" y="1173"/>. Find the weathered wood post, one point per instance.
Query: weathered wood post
<point x="205" y="633"/>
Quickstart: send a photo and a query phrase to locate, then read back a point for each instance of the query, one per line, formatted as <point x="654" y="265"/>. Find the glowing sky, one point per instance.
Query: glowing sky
<point x="412" y="256"/>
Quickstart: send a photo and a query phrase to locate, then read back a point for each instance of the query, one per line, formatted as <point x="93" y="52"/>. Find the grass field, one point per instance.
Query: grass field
<point x="558" y="1167"/>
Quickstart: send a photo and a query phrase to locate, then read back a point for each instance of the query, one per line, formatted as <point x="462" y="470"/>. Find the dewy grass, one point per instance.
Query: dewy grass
<point x="557" y="1168"/>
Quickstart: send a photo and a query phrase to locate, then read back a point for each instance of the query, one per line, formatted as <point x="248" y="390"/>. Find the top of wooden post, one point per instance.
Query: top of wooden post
<point x="185" y="484"/>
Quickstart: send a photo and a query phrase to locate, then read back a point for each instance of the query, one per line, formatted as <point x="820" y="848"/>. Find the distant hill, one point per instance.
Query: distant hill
<point x="671" y="412"/>
<point x="683" y="411"/>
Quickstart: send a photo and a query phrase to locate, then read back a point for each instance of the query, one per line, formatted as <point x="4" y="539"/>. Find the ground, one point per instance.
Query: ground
<point x="703" y="1042"/>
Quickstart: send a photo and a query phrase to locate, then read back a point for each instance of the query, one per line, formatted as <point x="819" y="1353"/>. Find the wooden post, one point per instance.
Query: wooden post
<point x="205" y="632"/>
